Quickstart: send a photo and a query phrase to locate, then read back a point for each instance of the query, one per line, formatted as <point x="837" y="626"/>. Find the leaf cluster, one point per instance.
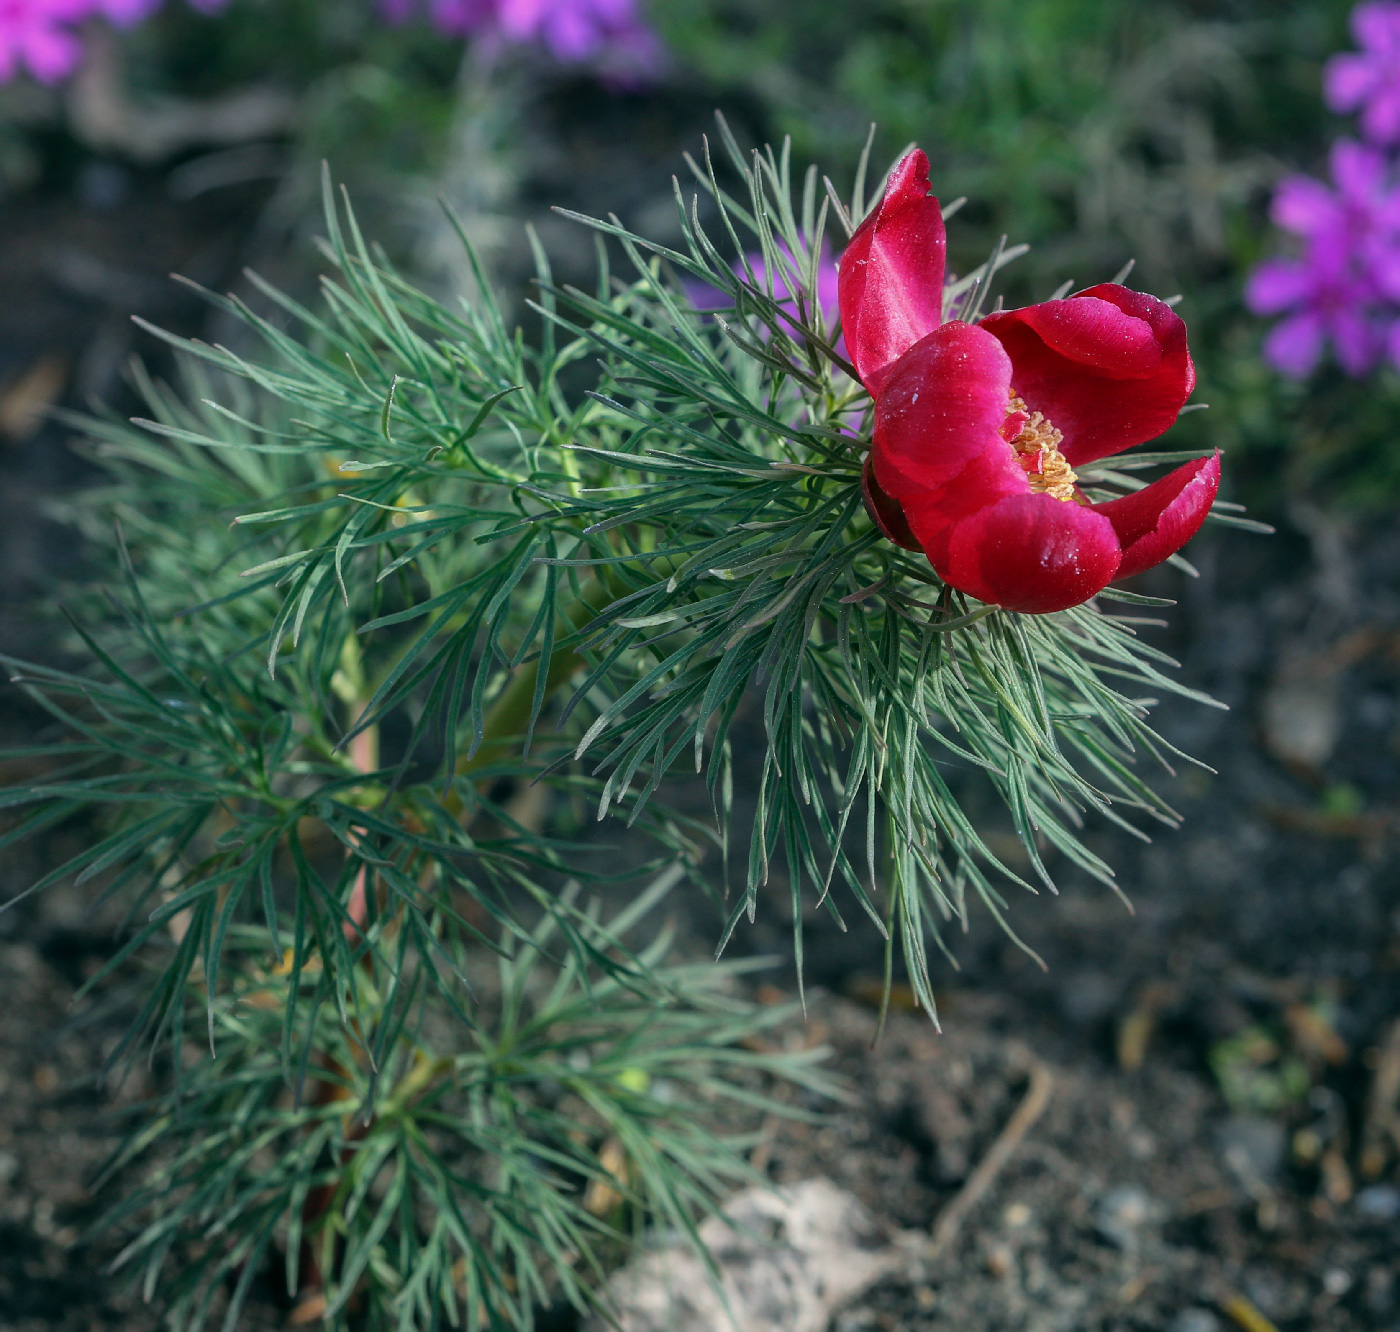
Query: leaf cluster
<point x="466" y="1188"/>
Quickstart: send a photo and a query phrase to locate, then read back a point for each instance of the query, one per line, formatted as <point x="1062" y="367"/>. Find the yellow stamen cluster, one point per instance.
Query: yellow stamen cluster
<point x="1038" y="436"/>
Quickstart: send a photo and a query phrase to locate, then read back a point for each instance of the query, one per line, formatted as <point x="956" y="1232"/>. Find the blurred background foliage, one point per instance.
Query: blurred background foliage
<point x="1096" y="130"/>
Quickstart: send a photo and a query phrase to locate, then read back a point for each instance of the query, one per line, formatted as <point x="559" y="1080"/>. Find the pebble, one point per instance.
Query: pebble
<point x="1089" y="997"/>
<point x="784" y="1258"/>
<point x="1336" y="1281"/>
<point x="1194" y="1320"/>
<point x="1253" y="1147"/>
<point x="1017" y="1215"/>
<point x="999" y="1258"/>
<point x="1122" y="1213"/>
<point x="1302" y="721"/>
<point x="1379" y="1202"/>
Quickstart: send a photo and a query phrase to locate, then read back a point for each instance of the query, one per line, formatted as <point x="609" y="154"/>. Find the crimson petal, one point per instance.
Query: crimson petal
<point x="1028" y="553"/>
<point x="890" y="283"/>
<point x="939" y="419"/>
<point x="1109" y="367"/>
<point x="1158" y="520"/>
<point x="885" y="511"/>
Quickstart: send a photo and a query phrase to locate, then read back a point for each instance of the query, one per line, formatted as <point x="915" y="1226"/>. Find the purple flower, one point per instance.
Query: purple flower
<point x="124" y="13"/>
<point x="41" y="35"/>
<point x="37" y="35"/>
<point x="1339" y="290"/>
<point x="1369" y="80"/>
<point x="1327" y="305"/>
<point x="453" y="18"/>
<point x="608" y="34"/>
<point x="705" y="297"/>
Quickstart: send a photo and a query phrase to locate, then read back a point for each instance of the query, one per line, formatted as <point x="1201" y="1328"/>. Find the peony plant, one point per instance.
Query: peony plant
<point x="409" y="599"/>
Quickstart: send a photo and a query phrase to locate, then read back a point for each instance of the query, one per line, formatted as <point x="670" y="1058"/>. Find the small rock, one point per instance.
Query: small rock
<point x="1379" y="1202"/>
<point x="1280" y="1295"/>
<point x="1194" y="1320"/>
<point x="1302" y="721"/>
<point x="1088" y="997"/>
<point x="1121" y="1215"/>
<point x="1336" y="1281"/>
<point x="999" y="1258"/>
<point x="1253" y="1148"/>
<point x="1017" y="1215"/>
<point x="855" y="1320"/>
<point x="9" y="1167"/>
<point x="787" y="1258"/>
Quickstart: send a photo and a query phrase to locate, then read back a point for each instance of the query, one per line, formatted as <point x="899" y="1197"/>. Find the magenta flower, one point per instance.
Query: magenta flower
<point x="453" y="18"/>
<point x="41" y="36"/>
<point x="705" y="297"/>
<point x="1338" y="291"/>
<point x="608" y="34"/>
<point x="124" y="13"/>
<point x="37" y="36"/>
<point x="572" y="30"/>
<point x="1324" y="304"/>
<point x="826" y="282"/>
<point x="1369" y="80"/>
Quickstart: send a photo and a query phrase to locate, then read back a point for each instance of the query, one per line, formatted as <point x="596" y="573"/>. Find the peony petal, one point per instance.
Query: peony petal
<point x="885" y="511"/>
<point x="1158" y="520"/>
<point x="1029" y="553"/>
<point x="940" y="412"/>
<point x="1109" y="367"/>
<point x="1092" y="333"/>
<point x="890" y="283"/>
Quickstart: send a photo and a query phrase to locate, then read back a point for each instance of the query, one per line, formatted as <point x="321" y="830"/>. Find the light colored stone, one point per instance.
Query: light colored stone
<point x="786" y="1258"/>
<point x="1302" y="720"/>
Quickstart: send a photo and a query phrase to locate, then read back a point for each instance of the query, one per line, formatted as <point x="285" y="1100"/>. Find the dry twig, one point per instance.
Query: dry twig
<point x="951" y="1218"/>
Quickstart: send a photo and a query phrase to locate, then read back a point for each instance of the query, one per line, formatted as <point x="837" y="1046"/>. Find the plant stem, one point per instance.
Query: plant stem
<point x="509" y="715"/>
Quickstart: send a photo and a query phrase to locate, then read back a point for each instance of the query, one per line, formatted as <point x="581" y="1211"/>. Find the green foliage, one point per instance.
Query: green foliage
<point x="572" y="562"/>
<point x="1098" y="131"/>
<point x="465" y="1188"/>
<point x="1073" y="124"/>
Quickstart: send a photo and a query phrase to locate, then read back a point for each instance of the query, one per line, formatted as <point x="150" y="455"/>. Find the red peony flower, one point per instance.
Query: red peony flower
<point x="978" y="428"/>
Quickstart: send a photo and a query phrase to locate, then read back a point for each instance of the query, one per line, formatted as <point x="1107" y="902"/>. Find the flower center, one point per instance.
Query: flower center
<point x="1037" y="444"/>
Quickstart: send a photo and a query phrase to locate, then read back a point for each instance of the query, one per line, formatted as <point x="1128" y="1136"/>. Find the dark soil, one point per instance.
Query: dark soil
<point x="1264" y="956"/>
